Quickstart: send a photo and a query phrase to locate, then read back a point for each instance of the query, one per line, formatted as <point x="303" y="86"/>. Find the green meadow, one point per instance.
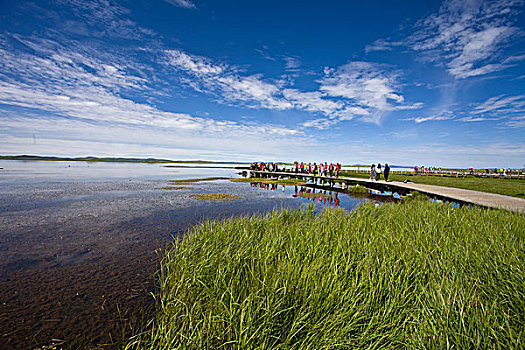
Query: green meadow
<point x="413" y="275"/>
<point x="508" y="187"/>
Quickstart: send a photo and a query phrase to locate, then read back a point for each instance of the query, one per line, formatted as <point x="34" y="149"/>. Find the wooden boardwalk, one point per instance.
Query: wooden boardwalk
<point x="484" y="199"/>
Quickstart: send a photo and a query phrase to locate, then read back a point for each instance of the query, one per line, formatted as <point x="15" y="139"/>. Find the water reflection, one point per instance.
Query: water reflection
<point x="324" y="197"/>
<point x="392" y="194"/>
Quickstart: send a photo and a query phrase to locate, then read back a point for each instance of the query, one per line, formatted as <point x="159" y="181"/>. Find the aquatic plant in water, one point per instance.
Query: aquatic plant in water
<point x="215" y="196"/>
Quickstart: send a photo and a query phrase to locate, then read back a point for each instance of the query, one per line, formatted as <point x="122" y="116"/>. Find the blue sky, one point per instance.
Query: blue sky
<point x="405" y="82"/>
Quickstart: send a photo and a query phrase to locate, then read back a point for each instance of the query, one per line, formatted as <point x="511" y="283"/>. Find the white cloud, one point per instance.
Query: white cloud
<point x="356" y="89"/>
<point x="383" y="45"/>
<point x="369" y="88"/>
<point x="264" y="53"/>
<point x="313" y="101"/>
<point x="226" y="82"/>
<point x="71" y="135"/>
<point x="501" y="104"/>
<point x="97" y="19"/>
<point x="78" y="97"/>
<point x="187" y="4"/>
<point x="364" y="83"/>
<point x="469" y="119"/>
<point x="507" y="109"/>
<point x="320" y="123"/>
<point x="291" y="63"/>
<point x="195" y="64"/>
<point x="467" y="36"/>
<point x="516" y="122"/>
<point x="433" y="118"/>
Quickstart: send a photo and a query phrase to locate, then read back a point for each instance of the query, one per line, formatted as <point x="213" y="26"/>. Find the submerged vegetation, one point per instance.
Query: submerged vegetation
<point x="215" y="196"/>
<point x="298" y="182"/>
<point x="173" y="188"/>
<point x="417" y="275"/>
<point x="357" y="189"/>
<point x="313" y="194"/>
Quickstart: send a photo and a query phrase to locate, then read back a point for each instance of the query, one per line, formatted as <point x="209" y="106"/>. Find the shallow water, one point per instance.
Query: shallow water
<point x="80" y="241"/>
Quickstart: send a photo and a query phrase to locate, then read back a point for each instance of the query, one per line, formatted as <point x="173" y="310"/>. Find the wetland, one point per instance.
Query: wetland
<point x="81" y="242"/>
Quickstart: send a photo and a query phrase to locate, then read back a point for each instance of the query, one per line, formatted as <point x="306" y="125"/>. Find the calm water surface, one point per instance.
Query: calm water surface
<point x="80" y="241"/>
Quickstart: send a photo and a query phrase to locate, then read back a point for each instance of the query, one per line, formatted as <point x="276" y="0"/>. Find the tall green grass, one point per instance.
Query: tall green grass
<point x="418" y="275"/>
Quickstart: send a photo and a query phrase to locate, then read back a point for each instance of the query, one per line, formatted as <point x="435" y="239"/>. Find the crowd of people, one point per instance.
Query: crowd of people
<point x="321" y="169"/>
<point x="375" y="172"/>
<point x="326" y="169"/>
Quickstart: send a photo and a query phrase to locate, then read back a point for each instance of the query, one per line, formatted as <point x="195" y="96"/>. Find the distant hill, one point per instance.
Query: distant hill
<point x="109" y="159"/>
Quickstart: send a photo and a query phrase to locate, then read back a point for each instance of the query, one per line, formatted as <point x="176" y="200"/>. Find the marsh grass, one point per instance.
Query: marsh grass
<point x="417" y="275"/>
<point x="298" y="182"/>
<point x="215" y="196"/>
<point x="357" y="189"/>
<point x="313" y="195"/>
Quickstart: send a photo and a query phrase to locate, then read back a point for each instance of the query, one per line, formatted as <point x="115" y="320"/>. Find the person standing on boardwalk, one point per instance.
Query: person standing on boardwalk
<point x="378" y="172"/>
<point x="386" y="172"/>
<point x="373" y="172"/>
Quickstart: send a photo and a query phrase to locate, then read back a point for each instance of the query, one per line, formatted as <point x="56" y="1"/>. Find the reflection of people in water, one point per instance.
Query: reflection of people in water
<point x="326" y="197"/>
<point x="336" y="200"/>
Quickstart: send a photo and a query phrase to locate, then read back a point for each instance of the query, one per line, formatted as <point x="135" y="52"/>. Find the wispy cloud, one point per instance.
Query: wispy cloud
<point x="510" y="110"/>
<point x="469" y="119"/>
<point x="502" y="104"/>
<point x="313" y="101"/>
<point x="467" y="36"/>
<point x="433" y="118"/>
<point x="187" y="4"/>
<point x="100" y="19"/>
<point x="367" y="86"/>
<point x="383" y="45"/>
<point x="361" y="89"/>
<point x="226" y="82"/>
<point x="72" y="93"/>
<point x="264" y="53"/>
<point x="291" y="63"/>
<point x="516" y="122"/>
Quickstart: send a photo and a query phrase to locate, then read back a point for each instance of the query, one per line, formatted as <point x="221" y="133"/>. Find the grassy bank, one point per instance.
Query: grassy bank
<point x="418" y="275"/>
<point x="508" y="187"/>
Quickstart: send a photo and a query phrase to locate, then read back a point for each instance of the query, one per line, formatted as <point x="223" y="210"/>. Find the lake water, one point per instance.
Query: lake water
<point x="80" y="241"/>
